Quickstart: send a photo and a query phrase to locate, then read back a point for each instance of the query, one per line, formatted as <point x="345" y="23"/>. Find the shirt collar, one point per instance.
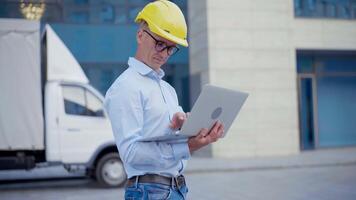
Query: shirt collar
<point x="143" y="69"/>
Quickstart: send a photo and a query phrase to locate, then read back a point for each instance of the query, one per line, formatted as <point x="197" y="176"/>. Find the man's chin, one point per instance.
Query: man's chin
<point x="157" y="64"/>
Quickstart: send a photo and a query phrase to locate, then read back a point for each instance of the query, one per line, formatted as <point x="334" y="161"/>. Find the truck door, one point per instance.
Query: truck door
<point x="81" y="123"/>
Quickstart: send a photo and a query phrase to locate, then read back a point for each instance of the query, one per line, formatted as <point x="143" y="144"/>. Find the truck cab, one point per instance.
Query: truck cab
<point x="79" y="134"/>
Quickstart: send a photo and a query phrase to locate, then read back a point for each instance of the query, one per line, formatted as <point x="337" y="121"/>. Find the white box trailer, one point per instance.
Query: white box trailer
<point x="49" y="114"/>
<point x="21" y="116"/>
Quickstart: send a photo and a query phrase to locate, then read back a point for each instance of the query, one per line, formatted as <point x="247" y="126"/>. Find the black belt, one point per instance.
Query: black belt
<point x="154" y="178"/>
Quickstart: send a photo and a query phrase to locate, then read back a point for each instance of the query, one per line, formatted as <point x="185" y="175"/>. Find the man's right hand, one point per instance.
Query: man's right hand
<point x="206" y="137"/>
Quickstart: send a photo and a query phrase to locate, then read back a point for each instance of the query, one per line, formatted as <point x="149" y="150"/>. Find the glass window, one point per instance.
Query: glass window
<point x="87" y="11"/>
<point x="353" y="10"/>
<point x="101" y="76"/>
<point x="337" y="64"/>
<point x="322" y="63"/>
<point x="330" y="9"/>
<point x="342" y="9"/>
<point x="81" y="1"/>
<point x="120" y="15"/>
<point x="181" y="4"/>
<point x="344" y="12"/>
<point x="311" y="4"/>
<point x="298" y="7"/>
<point x="79" y="17"/>
<point x="113" y="2"/>
<point x="107" y="13"/>
<point x="74" y="100"/>
<point x="133" y="13"/>
<point x="53" y="13"/>
<point x="305" y="63"/>
<point x="94" y="105"/>
<point x="139" y="2"/>
<point x="79" y="101"/>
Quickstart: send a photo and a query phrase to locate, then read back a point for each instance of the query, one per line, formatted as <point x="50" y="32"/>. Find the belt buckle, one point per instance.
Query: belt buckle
<point x="176" y="182"/>
<point x="179" y="181"/>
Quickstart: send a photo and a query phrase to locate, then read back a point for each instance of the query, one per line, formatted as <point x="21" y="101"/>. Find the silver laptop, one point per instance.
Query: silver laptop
<point x="213" y="104"/>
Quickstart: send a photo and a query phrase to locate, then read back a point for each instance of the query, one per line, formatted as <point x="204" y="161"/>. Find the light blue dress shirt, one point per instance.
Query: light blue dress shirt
<point x="141" y="105"/>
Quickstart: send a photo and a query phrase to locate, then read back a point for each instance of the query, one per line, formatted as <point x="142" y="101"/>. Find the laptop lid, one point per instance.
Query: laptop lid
<point x="213" y="104"/>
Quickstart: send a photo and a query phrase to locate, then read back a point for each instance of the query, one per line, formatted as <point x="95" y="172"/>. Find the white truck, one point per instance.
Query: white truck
<point x="49" y="114"/>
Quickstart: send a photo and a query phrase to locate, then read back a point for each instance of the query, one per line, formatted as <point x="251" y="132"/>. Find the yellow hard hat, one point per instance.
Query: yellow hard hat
<point x="165" y="19"/>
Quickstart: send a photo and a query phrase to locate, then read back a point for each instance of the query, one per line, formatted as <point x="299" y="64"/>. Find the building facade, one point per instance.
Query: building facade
<point x="297" y="59"/>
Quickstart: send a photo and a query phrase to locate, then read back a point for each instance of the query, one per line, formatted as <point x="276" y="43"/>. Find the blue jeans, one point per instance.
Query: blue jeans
<point x="155" y="191"/>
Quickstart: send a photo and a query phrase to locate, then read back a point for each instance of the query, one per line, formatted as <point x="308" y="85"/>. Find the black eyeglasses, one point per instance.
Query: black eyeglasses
<point x="161" y="46"/>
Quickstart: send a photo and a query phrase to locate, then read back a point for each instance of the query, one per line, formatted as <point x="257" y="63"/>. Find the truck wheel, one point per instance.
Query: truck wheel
<point x="110" y="171"/>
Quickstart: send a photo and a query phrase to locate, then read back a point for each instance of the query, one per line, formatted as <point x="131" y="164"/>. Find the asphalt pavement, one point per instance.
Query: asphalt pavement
<point x="317" y="175"/>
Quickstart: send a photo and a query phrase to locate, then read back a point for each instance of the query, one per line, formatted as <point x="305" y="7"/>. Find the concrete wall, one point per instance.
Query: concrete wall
<point x="250" y="50"/>
<point x="251" y="46"/>
<point x="332" y="34"/>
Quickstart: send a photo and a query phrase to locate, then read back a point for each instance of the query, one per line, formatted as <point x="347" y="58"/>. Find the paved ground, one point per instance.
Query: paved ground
<point x="321" y="183"/>
<point x="324" y="175"/>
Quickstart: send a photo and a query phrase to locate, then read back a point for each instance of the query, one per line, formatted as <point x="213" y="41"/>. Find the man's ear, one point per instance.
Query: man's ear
<point x="139" y="36"/>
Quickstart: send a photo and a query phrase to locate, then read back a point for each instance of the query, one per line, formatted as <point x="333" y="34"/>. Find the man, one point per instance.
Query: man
<point x="141" y="105"/>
